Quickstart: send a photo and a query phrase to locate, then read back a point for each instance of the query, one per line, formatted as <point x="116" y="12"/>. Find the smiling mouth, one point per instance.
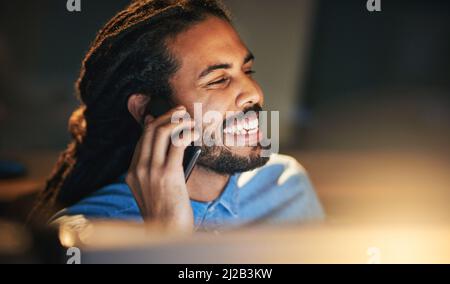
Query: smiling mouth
<point x="242" y="132"/>
<point x="238" y="129"/>
<point x="246" y="125"/>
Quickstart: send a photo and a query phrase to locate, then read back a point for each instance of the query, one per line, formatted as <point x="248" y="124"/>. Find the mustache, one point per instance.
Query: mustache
<point x="256" y="108"/>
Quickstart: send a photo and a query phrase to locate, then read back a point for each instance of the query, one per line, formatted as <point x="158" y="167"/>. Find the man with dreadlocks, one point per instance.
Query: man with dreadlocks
<point x="188" y="52"/>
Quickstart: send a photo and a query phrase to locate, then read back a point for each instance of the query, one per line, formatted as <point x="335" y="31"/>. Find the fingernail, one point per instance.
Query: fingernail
<point x="181" y="107"/>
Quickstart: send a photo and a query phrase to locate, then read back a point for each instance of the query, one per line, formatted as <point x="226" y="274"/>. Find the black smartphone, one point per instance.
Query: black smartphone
<point x="158" y="106"/>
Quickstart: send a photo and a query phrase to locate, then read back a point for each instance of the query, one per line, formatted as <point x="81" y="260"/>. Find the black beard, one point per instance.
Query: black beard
<point x="221" y="160"/>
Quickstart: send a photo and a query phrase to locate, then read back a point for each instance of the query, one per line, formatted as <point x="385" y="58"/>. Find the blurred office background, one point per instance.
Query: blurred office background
<point x="363" y="97"/>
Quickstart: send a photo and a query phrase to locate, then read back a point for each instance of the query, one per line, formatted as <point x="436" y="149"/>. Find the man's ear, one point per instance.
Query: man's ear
<point x="137" y="104"/>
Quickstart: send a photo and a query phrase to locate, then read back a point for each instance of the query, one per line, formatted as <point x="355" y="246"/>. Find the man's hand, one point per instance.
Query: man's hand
<point x="156" y="175"/>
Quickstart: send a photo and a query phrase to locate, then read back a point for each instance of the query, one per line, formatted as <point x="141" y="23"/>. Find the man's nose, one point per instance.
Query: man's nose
<point x="249" y="95"/>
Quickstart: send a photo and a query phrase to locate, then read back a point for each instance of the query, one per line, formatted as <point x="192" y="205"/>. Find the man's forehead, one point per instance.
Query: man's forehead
<point x="209" y="42"/>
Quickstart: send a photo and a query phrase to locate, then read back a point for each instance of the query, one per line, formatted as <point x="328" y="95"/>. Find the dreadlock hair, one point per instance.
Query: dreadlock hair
<point x="129" y="55"/>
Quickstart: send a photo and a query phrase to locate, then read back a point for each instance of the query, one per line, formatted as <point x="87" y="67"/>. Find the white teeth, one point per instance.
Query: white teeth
<point x="254" y="124"/>
<point x="235" y="131"/>
<point x="243" y="127"/>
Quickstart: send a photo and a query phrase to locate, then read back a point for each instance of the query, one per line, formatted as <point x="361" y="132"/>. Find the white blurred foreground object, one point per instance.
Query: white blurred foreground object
<point x="112" y="242"/>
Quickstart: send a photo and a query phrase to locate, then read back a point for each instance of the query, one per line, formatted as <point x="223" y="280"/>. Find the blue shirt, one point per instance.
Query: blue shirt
<point x="278" y="192"/>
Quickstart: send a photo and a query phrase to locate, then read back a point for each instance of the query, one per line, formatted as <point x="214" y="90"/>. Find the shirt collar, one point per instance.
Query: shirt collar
<point x="229" y="198"/>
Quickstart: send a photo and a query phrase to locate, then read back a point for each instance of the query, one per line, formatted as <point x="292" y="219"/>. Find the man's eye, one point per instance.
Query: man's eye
<point x="223" y="80"/>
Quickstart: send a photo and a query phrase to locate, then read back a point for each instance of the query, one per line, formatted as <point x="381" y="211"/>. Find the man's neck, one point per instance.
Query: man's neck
<point x="205" y="185"/>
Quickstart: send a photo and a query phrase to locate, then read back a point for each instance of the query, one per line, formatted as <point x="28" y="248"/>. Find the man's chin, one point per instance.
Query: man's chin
<point x="231" y="160"/>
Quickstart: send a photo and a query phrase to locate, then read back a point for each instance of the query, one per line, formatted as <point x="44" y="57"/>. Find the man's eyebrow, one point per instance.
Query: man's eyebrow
<point x="249" y="57"/>
<point x="211" y="68"/>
